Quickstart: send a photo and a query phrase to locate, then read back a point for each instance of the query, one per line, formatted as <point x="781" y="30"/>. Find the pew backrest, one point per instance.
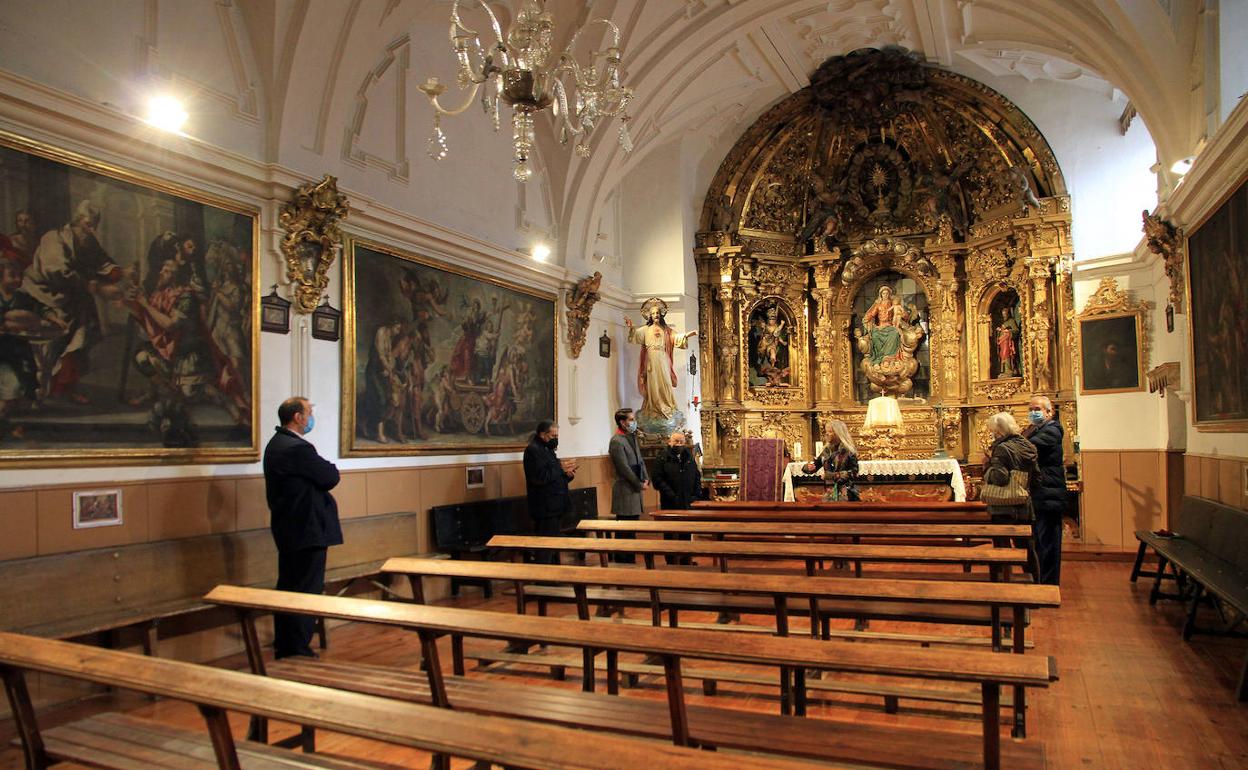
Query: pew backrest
<point x="1216" y="528"/>
<point x="799" y="529"/>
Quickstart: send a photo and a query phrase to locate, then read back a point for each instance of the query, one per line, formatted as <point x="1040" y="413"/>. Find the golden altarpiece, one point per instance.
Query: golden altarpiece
<point x="887" y="193"/>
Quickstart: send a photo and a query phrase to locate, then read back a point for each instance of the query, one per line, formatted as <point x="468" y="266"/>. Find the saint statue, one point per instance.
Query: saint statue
<point x="656" y="374"/>
<point x="1007" y="344"/>
<point x="882" y="322"/>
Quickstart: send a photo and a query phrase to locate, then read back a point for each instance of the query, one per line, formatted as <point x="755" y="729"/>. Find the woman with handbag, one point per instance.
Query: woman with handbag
<point x="1010" y="465"/>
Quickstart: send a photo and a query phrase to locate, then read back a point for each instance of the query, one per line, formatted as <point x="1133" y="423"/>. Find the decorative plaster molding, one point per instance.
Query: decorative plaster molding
<point x="397" y="54"/>
<point x="1034" y="66"/>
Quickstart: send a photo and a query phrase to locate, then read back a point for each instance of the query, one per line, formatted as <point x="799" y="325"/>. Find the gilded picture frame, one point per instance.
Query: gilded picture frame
<point x="1217" y="282"/>
<point x="101" y="270"/>
<point x="473" y="359"/>
<point x="1113" y="342"/>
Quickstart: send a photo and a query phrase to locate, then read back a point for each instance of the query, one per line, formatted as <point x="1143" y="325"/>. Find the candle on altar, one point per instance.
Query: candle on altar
<point x="818" y="448"/>
<point x="797" y="450"/>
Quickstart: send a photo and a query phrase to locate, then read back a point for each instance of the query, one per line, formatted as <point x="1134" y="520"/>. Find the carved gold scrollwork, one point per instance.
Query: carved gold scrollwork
<point x="1166" y="241"/>
<point x="580" y="302"/>
<point x="313" y="240"/>
<point x="1109" y="300"/>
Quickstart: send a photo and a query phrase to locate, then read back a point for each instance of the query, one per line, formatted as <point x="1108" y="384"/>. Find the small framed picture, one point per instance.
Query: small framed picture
<point x="476" y="476"/>
<point x="97" y="508"/>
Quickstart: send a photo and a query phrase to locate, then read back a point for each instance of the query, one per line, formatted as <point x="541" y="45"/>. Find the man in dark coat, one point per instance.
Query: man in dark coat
<point x="546" y="480"/>
<point x="679" y="481"/>
<point x="304" y="518"/>
<point x="1048" y="487"/>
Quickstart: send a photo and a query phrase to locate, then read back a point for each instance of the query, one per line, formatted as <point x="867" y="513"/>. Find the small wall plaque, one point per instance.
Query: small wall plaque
<point x="274" y="313"/>
<point x="604" y="345"/>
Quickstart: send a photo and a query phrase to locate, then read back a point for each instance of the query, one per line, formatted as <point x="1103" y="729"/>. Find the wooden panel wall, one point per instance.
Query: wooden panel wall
<point x="39" y="521"/>
<point x="1129" y="490"/>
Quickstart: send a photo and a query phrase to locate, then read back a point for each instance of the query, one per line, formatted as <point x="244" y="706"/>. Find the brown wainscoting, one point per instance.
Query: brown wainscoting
<point x="1217" y="477"/>
<point x="38" y="521"/>
<point x="1125" y="490"/>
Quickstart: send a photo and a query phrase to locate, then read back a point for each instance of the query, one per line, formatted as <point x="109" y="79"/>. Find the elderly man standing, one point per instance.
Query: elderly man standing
<point x="1048" y="487"/>
<point x="546" y="479"/>
<point x="630" y="474"/>
<point x="304" y="518"/>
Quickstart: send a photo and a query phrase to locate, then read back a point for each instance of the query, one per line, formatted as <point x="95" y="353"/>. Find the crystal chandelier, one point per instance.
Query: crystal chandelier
<point x="515" y="70"/>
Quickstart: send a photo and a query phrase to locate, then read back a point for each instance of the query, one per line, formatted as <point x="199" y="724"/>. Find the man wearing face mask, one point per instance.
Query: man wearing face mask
<point x="630" y="474"/>
<point x="679" y="481"/>
<point x="1048" y="487"/>
<point x="546" y="479"/>
<point x="303" y="518"/>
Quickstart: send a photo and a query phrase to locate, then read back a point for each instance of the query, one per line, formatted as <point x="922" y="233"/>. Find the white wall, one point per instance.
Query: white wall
<point x="1233" y="54"/>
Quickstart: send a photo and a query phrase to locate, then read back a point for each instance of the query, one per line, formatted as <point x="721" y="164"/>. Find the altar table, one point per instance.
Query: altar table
<point x="899" y="469"/>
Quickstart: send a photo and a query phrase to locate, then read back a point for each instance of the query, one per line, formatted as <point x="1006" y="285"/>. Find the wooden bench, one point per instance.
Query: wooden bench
<point x="878" y="515"/>
<point x="933" y="506"/>
<point x="104" y="591"/>
<point x="128" y="743"/>
<point x="683" y="724"/>
<point x="673" y="590"/>
<point x="1207" y="557"/>
<point x="955" y="532"/>
<point x="998" y="560"/>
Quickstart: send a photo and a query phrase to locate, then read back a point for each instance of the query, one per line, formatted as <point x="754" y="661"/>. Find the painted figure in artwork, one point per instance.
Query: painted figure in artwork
<point x="656" y="373"/>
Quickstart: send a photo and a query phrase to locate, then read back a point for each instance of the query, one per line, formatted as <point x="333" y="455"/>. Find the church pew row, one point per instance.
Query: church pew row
<point x="921" y="506"/>
<point x="998" y="560"/>
<point x="955" y="532"/>
<point x="854" y="513"/>
<point x="929" y="601"/>
<point x="705" y="726"/>
<point x="112" y="740"/>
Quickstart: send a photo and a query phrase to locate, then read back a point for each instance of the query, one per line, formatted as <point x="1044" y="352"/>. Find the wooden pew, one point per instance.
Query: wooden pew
<point x="857" y="513"/>
<point x="130" y="743"/>
<point x="683" y="724"/>
<point x="998" y="560"/>
<point x="944" y="506"/>
<point x="974" y="531"/>
<point x="922" y="600"/>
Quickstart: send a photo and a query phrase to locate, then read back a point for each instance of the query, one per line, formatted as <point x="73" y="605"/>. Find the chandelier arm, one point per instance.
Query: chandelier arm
<point x="439" y="109"/>
<point x="457" y="22"/>
<point x="564" y="114"/>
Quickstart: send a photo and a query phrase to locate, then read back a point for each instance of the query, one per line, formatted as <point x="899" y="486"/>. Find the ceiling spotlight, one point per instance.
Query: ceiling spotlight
<point x="540" y="252"/>
<point x="1183" y="166"/>
<point x="166" y="113"/>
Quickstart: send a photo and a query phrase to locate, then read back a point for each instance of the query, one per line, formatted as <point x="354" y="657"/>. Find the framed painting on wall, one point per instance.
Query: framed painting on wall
<point x="1113" y="342"/>
<point x="127" y="316"/>
<point x="97" y="508"/>
<point x="1217" y="253"/>
<point x="439" y="360"/>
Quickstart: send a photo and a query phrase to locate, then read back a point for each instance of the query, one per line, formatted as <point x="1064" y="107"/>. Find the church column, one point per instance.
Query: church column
<point x="727" y="351"/>
<point x="825" y="337"/>
<point x="947" y="332"/>
<point x="1068" y="361"/>
<point x="1040" y="325"/>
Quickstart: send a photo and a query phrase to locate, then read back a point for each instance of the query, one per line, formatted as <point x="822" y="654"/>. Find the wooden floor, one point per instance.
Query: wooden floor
<point x="1131" y="695"/>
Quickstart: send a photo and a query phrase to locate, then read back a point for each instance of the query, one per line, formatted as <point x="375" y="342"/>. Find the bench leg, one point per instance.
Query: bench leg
<point x="992" y="725"/>
<point x="307" y="739"/>
<point x="24" y="717"/>
<point x="1020" y="692"/>
<point x="320" y="633"/>
<point x="890" y="704"/>
<point x="1139" y="561"/>
<point x="457" y="654"/>
<point x="1162" y="561"/>
<point x="1242" y="696"/>
<point x="1189" y="625"/>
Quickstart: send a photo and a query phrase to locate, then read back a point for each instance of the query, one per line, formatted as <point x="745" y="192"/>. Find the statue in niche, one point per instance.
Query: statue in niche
<point x="770" y="333"/>
<point x="656" y="372"/>
<point x="889" y="335"/>
<point x="1005" y="332"/>
<point x="1007" y="344"/>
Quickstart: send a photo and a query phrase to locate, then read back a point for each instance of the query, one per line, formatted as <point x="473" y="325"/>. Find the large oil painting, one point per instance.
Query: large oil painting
<point x="1218" y="283"/>
<point x="440" y="361"/>
<point x="127" y="309"/>
<point x="1109" y="348"/>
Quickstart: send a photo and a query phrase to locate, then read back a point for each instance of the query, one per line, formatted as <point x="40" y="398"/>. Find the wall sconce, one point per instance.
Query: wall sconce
<point x="604" y="345"/>
<point x="274" y="313"/>
<point x="326" y="322"/>
<point x="693" y="365"/>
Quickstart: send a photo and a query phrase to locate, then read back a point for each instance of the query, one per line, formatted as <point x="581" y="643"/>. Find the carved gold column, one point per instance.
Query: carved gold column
<point x="727" y="350"/>
<point x="1039" y="325"/>
<point x="947" y="332"/>
<point x="825" y="337"/>
<point x="1068" y="361"/>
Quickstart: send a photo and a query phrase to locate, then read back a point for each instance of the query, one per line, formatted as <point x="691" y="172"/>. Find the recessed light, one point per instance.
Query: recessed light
<point x="541" y="252"/>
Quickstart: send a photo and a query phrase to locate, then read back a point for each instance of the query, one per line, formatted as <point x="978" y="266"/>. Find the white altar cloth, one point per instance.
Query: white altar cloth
<point x="930" y="467"/>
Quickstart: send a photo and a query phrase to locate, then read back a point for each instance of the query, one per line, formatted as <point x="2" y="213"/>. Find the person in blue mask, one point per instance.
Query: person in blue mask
<point x="1048" y="487"/>
<point x="631" y="477"/>
<point x="303" y="518"/>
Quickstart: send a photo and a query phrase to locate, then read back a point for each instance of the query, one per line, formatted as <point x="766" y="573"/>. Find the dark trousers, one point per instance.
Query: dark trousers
<point x="546" y="526"/>
<point x="302" y="571"/>
<point x="1048" y="537"/>
<point x="625" y="558"/>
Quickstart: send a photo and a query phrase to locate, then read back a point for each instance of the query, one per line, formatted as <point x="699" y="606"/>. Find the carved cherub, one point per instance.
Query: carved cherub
<point x="825" y="220"/>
